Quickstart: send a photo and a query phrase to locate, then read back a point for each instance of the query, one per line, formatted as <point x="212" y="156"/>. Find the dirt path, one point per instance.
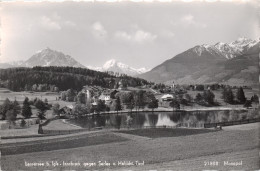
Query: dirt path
<point x="132" y="137"/>
<point x="60" y="125"/>
<point x="243" y="127"/>
<point x="48" y="138"/>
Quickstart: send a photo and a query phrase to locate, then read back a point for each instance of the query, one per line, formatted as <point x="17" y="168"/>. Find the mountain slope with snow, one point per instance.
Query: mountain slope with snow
<point x="49" y="57"/>
<point x="118" y="67"/>
<point x="234" y="62"/>
<point x="236" y="48"/>
<point x="45" y="57"/>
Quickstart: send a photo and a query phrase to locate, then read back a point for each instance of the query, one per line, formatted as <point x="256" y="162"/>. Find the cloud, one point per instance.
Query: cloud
<point x="123" y="35"/>
<point x="137" y="36"/>
<point x="49" y="24"/>
<point x="55" y="22"/>
<point x="167" y="34"/>
<point x="188" y="20"/>
<point x="98" y="30"/>
<point x="69" y="23"/>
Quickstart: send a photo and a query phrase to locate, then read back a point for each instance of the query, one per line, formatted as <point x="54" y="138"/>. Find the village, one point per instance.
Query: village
<point x="168" y="98"/>
<point x="97" y="116"/>
<point x="121" y="98"/>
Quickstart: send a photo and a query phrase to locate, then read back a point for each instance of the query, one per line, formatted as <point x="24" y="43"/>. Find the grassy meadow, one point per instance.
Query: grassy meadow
<point x="166" y="132"/>
<point x="151" y="151"/>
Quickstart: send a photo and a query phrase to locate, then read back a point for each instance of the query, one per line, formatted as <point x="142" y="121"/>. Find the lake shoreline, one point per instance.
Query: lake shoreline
<point x="169" y="110"/>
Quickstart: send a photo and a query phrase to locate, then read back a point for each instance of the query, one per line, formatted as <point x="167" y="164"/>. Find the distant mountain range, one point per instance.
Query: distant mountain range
<point x="49" y="57"/>
<point x="235" y="63"/>
<point x="118" y="67"/>
<point x="45" y="57"/>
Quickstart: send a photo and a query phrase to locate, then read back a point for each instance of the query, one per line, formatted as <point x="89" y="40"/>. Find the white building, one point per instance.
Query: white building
<point x="105" y="96"/>
<point x="167" y="97"/>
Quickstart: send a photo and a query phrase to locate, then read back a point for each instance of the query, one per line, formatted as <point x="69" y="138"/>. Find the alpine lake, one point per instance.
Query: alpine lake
<point x="156" y="119"/>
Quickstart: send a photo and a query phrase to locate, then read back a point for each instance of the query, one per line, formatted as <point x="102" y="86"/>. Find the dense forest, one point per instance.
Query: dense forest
<point x="62" y="78"/>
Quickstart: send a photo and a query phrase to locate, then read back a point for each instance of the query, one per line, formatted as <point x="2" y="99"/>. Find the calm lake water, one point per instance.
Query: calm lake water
<point x="141" y="119"/>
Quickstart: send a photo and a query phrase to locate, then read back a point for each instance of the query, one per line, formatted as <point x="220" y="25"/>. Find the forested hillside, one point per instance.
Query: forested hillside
<point x="19" y="79"/>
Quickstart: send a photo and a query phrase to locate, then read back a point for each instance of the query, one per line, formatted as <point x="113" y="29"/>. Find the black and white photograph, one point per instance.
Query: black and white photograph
<point x="129" y="85"/>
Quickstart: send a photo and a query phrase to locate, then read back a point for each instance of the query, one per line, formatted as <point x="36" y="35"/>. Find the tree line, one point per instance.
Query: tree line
<point x="9" y="110"/>
<point x="47" y="78"/>
<point x="207" y="98"/>
<point x="162" y="88"/>
<point x="238" y="97"/>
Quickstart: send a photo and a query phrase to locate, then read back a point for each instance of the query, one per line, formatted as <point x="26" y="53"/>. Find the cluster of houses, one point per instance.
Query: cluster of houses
<point x="95" y="93"/>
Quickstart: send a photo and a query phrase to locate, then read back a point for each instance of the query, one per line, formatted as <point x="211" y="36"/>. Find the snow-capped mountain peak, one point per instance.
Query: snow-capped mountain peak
<point x="235" y="48"/>
<point x="110" y="63"/>
<point x="49" y="57"/>
<point x="227" y="50"/>
<point x="242" y="41"/>
<point x="118" y="67"/>
<point x="206" y="48"/>
<point x="142" y="70"/>
<point x="199" y="49"/>
<point x="242" y="44"/>
<point x="16" y="63"/>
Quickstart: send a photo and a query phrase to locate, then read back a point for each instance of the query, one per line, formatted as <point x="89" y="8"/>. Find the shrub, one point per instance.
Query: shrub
<point x="23" y="123"/>
<point x="248" y="104"/>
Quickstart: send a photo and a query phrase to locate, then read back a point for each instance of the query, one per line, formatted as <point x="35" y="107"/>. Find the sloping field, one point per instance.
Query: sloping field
<point x="59" y="143"/>
<point x="153" y="152"/>
<point x="166" y="132"/>
<point x="223" y="161"/>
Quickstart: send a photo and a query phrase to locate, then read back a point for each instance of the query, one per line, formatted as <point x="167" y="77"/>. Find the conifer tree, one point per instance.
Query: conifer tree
<point x="26" y="109"/>
<point x="11" y="117"/>
<point x="241" y="96"/>
<point x="198" y="98"/>
<point x="42" y="108"/>
<point x="117" y="105"/>
<point x="7" y="105"/>
<point x="248" y="104"/>
<point x="255" y="99"/>
<point x="16" y="107"/>
<point x="175" y="104"/>
<point x="228" y="95"/>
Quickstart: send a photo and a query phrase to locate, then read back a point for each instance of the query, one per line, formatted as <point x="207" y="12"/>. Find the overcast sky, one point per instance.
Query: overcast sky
<point x="138" y="34"/>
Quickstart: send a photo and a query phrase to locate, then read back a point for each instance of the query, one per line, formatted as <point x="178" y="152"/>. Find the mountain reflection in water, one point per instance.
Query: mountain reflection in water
<point x="141" y="119"/>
